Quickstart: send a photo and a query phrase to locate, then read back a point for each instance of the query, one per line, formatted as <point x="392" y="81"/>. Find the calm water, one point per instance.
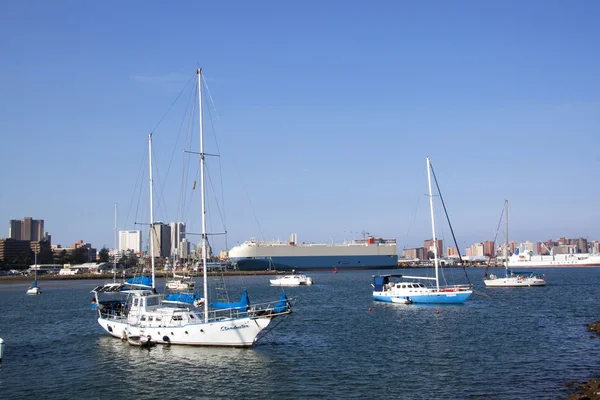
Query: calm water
<point x="501" y="344"/>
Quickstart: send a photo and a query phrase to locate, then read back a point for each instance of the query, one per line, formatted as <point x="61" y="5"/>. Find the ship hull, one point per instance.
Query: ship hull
<point x="305" y="263"/>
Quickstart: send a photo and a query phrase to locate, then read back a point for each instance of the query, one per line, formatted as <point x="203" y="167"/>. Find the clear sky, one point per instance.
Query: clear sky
<point x="326" y="113"/>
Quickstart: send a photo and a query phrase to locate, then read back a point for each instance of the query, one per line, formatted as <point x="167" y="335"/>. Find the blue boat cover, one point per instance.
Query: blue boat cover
<point x="282" y="304"/>
<point x="378" y="282"/>
<point x="187" y="298"/>
<point x="240" y="305"/>
<point x="140" y="281"/>
<point x="34" y="284"/>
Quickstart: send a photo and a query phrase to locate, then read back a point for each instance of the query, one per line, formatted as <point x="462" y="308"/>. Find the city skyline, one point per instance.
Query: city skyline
<point x="325" y="113"/>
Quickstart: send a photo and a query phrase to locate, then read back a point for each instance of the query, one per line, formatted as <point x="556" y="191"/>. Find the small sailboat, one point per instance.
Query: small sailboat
<point x="512" y="278"/>
<point x="145" y="313"/>
<point x="396" y="288"/>
<point x="34" y="289"/>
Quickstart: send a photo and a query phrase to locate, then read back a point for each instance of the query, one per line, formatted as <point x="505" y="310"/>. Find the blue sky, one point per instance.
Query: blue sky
<point x="326" y="113"/>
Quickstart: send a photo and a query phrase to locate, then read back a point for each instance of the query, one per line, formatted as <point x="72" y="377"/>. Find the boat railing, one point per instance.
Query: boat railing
<point x="259" y="310"/>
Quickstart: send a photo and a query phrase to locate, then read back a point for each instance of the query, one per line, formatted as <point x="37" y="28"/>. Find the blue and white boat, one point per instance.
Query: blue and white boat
<point x="411" y="289"/>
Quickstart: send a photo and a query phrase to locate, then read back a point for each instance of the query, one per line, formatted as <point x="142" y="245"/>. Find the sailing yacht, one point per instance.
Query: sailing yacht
<point x="396" y="288"/>
<point x="512" y="278"/>
<point x="145" y="313"/>
<point x="34" y="289"/>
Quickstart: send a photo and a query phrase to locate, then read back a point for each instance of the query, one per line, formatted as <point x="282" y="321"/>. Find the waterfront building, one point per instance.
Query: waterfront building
<point x="452" y="252"/>
<point x="177" y="235"/>
<point x="162" y="239"/>
<point x="428" y="247"/>
<point x="26" y="229"/>
<point x="130" y="240"/>
<point x="15" y="252"/>
<point x="414" y="254"/>
<point x="488" y="248"/>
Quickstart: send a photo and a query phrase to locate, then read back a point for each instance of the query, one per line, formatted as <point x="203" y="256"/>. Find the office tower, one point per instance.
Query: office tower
<point x="177" y="235"/>
<point x="26" y="229"/>
<point x="161" y="239"/>
<point x="130" y="240"/>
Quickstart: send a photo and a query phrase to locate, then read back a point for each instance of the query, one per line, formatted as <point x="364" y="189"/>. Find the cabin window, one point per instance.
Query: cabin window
<point x="143" y="318"/>
<point x="150" y="318"/>
<point x="192" y="316"/>
<point x="135" y="302"/>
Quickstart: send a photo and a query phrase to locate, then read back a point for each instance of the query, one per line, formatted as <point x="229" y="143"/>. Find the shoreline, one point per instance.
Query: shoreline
<point x="25" y="278"/>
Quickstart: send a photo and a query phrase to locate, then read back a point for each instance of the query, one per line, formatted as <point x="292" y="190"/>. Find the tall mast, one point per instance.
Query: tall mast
<point x="204" y="267"/>
<point x="506" y="238"/>
<point x="151" y="210"/>
<point x="435" y="253"/>
<point x="115" y="248"/>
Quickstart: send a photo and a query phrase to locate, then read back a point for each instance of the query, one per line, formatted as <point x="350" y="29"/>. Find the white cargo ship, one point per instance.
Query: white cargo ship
<point x="367" y="253"/>
<point x="527" y="259"/>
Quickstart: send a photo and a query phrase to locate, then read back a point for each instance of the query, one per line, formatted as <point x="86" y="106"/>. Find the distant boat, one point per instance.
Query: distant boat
<point x="369" y="252"/>
<point x="512" y="278"/>
<point x="34" y="289"/>
<point x="180" y="283"/>
<point x="526" y="259"/>
<point x="292" y="280"/>
<point x="394" y="288"/>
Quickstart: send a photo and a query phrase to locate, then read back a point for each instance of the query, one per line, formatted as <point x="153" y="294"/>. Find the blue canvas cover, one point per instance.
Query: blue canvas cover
<point x="282" y="305"/>
<point x="240" y="305"/>
<point x="140" y="281"/>
<point x="187" y="298"/>
<point x="378" y="282"/>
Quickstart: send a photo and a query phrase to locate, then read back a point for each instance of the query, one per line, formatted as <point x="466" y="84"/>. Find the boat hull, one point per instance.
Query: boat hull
<point x="514" y="282"/>
<point x="241" y="332"/>
<point x="307" y="263"/>
<point x="427" y="298"/>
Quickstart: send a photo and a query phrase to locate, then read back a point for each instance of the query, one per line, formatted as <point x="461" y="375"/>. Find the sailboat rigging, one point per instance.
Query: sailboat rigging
<point x="512" y="278"/>
<point x="146" y="314"/>
<point x="34" y="289"/>
<point x="396" y="288"/>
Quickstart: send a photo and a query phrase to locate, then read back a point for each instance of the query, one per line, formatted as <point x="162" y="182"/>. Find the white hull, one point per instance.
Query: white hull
<point x="34" y="291"/>
<point x="514" y="282"/>
<point x="558" y="260"/>
<point x="240" y="332"/>
<point x="259" y="249"/>
<point x="292" y="280"/>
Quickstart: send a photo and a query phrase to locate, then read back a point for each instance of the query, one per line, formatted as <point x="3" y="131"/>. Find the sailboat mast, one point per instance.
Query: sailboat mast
<point x="435" y="253"/>
<point x="115" y="248"/>
<point x="151" y="210"/>
<point x="506" y="238"/>
<point x="204" y="267"/>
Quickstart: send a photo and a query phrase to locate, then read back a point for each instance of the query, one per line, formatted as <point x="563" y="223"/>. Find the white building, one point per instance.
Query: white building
<point x="177" y="235"/>
<point x="130" y="240"/>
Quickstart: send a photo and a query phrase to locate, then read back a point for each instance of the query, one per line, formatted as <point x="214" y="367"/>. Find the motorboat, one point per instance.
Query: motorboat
<point x="292" y="280"/>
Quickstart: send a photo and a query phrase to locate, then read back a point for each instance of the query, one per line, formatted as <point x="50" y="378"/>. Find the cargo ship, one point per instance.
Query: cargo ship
<point x="370" y="252"/>
<point x="527" y="259"/>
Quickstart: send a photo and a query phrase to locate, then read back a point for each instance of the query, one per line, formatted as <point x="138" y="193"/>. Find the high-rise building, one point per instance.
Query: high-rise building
<point x="428" y="246"/>
<point x="488" y="248"/>
<point x="177" y="235"/>
<point x="161" y="239"/>
<point x="26" y="229"/>
<point x="130" y="240"/>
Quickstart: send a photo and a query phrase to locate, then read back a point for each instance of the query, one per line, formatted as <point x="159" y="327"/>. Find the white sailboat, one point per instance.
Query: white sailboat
<point x="512" y="278"/>
<point x="395" y="288"/>
<point x="34" y="289"/>
<point x="146" y="314"/>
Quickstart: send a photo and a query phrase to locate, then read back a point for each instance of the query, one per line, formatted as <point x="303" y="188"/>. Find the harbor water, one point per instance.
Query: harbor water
<point x="503" y="343"/>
